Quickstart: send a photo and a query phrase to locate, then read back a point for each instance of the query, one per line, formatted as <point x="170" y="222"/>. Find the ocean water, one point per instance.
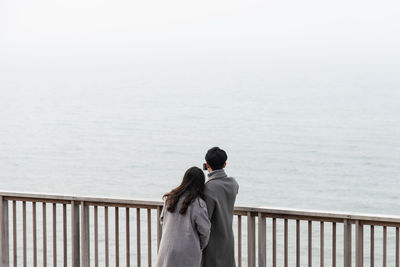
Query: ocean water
<point x="322" y="137"/>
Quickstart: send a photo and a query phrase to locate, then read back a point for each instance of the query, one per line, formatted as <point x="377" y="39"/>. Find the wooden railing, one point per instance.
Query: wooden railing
<point x="59" y="230"/>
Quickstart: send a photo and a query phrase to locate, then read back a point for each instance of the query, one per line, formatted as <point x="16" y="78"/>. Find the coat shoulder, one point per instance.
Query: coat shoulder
<point x="235" y="182"/>
<point x="215" y="182"/>
<point x="199" y="207"/>
<point x="213" y="187"/>
<point x="201" y="203"/>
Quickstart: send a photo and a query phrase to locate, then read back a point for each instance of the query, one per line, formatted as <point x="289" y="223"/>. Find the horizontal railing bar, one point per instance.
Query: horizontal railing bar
<point x="123" y="205"/>
<point x="319" y="219"/>
<point x="36" y="197"/>
<point x="388" y="224"/>
<point x="290" y="217"/>
<point x="102" y="204"/>
<point x="318" y="214"/>
<point x="365" y="219"/>
<point x="37" y="200"/>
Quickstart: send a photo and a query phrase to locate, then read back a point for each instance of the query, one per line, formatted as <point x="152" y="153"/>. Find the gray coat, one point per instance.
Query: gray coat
<point x="183" y="236"/>
<point x="220" y="194"/>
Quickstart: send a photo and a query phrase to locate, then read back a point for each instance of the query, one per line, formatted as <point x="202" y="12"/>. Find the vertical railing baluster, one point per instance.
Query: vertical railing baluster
<point x="116" y="237"/>
<point x="285" y="243"/>
<point x="347" y="243"/>
<point x="251" y="241"/>
<point x="65" y="236"/>
<point x="75" y="234"/>
<point x="34" y="234"/>
<point x="322" y="244"/>
<point x="309" y="243"/>
<point x="54" y="235"/>
<point x="384" y="246"/>
<point x="106" y="238"/>
<point x="85" y="235"/>
<point x="262" y="241"/>
<point x="96" y="235"/>
<point x="14" y="220"/>
<point x="298" y="243"/>
<point x="138" y="242"/>
<point x="359" y="244"/>
<point x="4" y="234"/>
<point x="239" y="240"/>
<point x="159" y="230"/>
<point x="274" y="242"/>
<point x="397" y="247"/>
<point x="333" y="244"/>
<point x="149" y="237"/>
<point x="372" y="245"/>
<point x="24" y="234"/>
<point x="44" y="222"/>
<point x="127" y="237"/>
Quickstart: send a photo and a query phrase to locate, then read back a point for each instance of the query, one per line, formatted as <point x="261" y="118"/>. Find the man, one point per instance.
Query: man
<point x="220" y="194"/>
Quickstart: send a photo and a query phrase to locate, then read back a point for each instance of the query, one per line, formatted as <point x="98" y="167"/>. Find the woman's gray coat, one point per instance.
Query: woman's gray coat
<point x="183" y="236"/>
<point x="220" y="194"/>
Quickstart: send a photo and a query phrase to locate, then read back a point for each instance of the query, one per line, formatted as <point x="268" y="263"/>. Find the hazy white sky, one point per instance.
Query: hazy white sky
<point x="153" y="28"/>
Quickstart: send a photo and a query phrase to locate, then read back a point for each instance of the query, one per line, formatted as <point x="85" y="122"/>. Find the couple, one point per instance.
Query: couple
<point x="197" y="218"/>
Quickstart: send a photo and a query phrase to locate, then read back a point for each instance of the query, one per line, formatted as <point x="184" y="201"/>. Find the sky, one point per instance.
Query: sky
<point x="54" y="30"/>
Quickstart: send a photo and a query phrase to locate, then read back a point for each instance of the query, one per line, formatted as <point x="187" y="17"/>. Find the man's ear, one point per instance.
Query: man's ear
<point x="224" y="165"/>
<point x="209" y="167"/>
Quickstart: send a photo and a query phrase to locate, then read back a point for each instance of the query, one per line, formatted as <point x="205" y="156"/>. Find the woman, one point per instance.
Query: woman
<point x="185" y="223"/>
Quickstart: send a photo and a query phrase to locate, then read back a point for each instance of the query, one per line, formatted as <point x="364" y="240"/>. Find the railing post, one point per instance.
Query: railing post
<point x="251" y="240"/>
<point x="138" y="240"/>
<point x="239" y="237"/>
<point x="274" y="242"/>
<point x="285" y="244"/>
<point x="347" y="243"/>
<point x="322" y="244"/>
<point x="384" y="247"/>
<point x="262" y="241"/>
<point x="310" y="258"/>
<point x="149" y="237"/>
<point x="298" y="243"/>
<point x="75" y="244"/>
<point x="397" y="246"/>
<point x="359" y="244"/>
<point x="85" y="238"/>
<point x="4" y="235"/>
<point x="372" y="246"/>
<point x="159" y="229"/>
<point x="333" y="244"/>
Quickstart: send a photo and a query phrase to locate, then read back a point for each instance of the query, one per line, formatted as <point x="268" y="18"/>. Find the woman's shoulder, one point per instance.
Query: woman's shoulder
<point x="200" y="203"/>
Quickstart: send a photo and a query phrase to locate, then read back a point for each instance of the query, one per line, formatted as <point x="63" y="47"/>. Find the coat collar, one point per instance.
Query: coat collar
<point x="217" y="174"/>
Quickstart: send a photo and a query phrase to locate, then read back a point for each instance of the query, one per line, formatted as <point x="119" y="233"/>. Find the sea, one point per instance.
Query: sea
<point x="321" y="136"/>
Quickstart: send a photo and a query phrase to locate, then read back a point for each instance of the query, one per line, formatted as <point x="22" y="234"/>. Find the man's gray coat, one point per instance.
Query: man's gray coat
<point x="220" y="194"/>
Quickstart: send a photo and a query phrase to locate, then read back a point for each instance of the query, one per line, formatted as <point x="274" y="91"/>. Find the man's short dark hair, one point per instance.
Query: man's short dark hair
<point x="216" y="158"/>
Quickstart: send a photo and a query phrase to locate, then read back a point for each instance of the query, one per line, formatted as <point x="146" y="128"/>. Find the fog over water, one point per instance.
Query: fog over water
<point x="119" y="99"/>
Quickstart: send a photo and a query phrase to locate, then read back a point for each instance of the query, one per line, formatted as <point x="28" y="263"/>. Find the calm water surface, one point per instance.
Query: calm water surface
<point x="318" y="138"/>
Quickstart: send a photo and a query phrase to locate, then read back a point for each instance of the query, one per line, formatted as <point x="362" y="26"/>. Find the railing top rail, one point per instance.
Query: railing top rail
<point x="328" y="215"/>
<point x="91" y="199"/>
<point x="267" y="211"/>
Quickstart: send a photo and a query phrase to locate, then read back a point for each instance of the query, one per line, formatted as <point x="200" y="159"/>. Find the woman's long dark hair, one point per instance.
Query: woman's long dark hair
<point x="192" y="186"/>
